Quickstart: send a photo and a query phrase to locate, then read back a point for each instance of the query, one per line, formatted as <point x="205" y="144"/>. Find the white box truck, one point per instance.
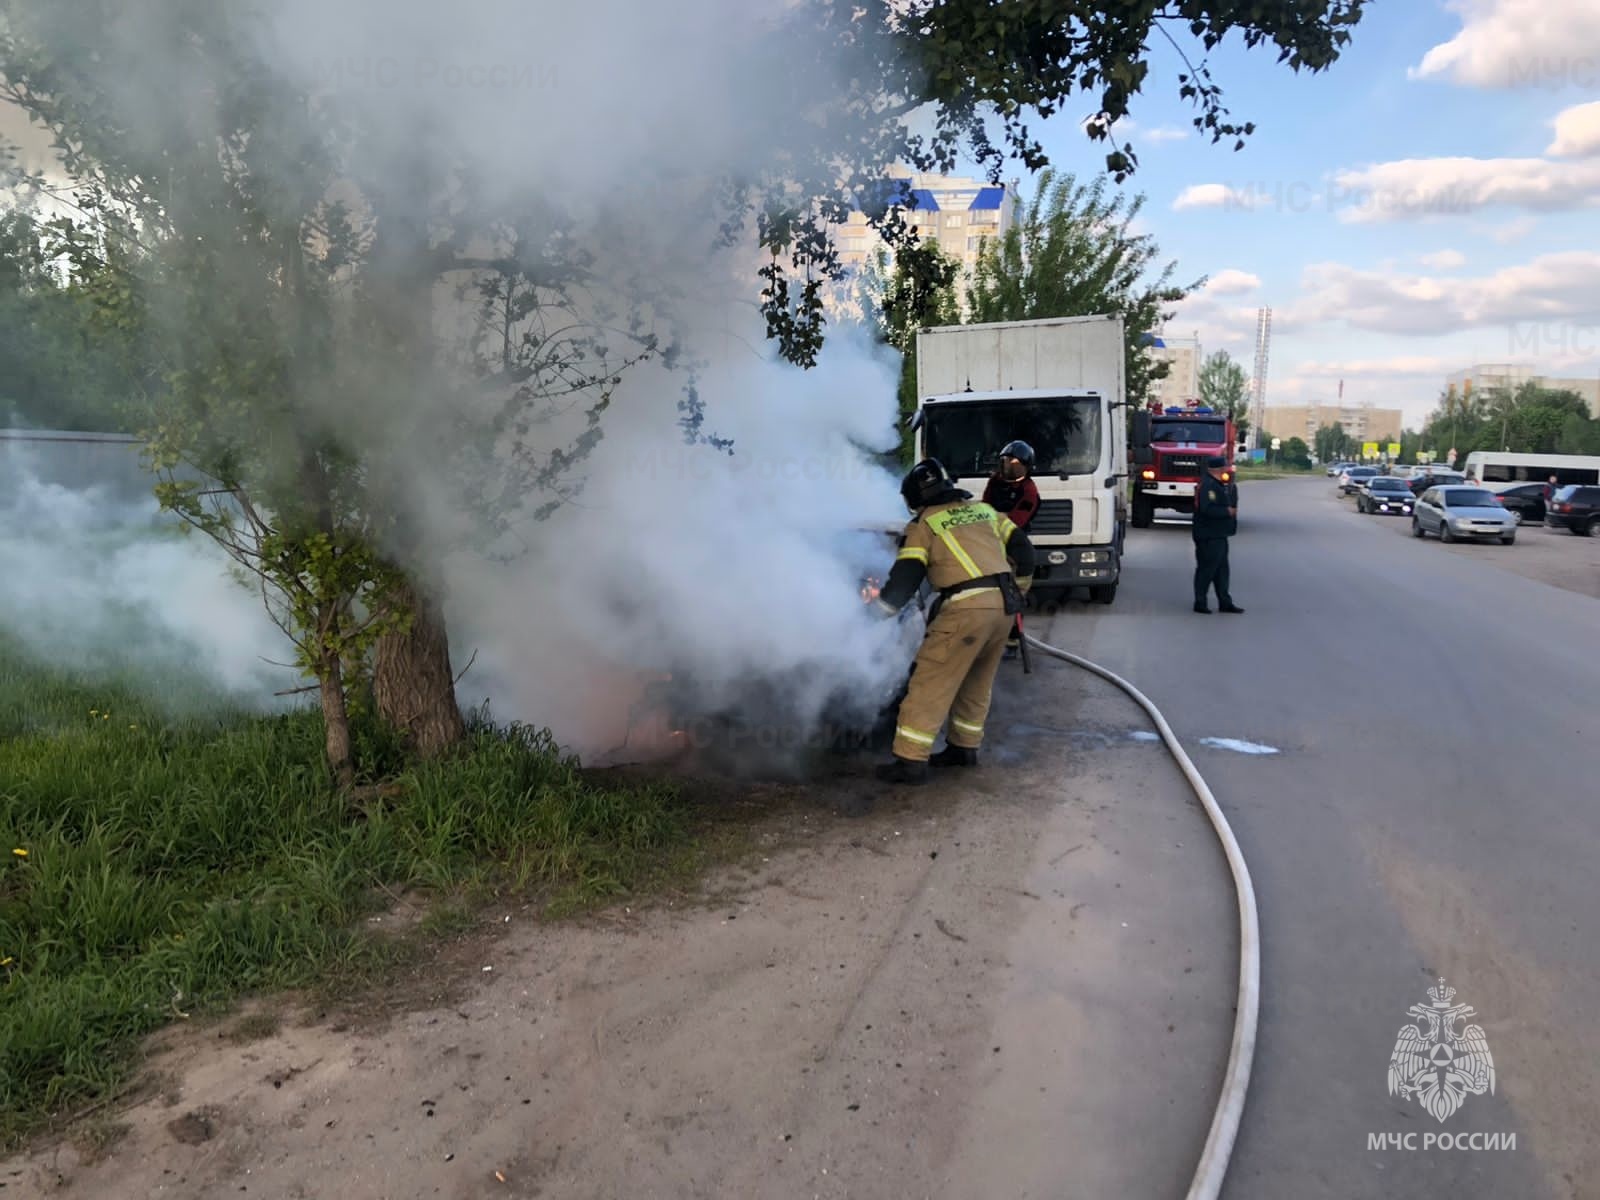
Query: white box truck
<point x="1057" y="384"/>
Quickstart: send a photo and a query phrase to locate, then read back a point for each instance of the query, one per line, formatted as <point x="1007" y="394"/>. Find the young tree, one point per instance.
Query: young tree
<point x="1222" y="387"/>
<point x="285" y="288"/>
<point x="1333" y="443"/>
<point x="1072" y="253"/>
<point x="1295" y="453"/>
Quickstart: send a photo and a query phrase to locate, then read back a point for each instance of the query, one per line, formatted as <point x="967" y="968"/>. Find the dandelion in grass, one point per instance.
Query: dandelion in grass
<point x="19" y="851"/>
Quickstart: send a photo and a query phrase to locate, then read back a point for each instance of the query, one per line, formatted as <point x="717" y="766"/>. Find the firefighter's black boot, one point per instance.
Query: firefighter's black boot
<point x="955" y="756"/>
<point x="903" y="770"/>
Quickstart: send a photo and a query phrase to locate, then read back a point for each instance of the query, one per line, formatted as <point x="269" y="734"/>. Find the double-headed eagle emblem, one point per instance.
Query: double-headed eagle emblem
<point x="1435" y="1065"/>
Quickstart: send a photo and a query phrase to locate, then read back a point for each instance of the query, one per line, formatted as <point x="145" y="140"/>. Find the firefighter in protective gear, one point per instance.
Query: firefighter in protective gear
<point x="960" y="546"/>
<point x="1012" y="493"/>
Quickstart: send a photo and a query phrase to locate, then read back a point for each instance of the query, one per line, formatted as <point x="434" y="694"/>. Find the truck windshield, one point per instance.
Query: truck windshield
<point x="1204" y="433"/>
<point x="966" y="436"/>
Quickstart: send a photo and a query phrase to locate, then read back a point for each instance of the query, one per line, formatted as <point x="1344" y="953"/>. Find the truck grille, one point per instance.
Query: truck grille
<point x="1181" y="466"/>
<point x="1054" y="516"/>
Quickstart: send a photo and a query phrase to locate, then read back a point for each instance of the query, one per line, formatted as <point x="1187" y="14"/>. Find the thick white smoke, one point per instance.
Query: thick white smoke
<point x="725" y="568"/>
<point x="93" y="580"/>
<point x="732" y="568"/>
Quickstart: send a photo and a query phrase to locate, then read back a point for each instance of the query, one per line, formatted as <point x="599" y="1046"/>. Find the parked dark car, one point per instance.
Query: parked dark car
<point x="1349" y="480"/>
<point x="1575" y="508"/>
<point x="1385" y="494"/>
<point x="1527" y="500"/>
<point x="1429" y="479"/>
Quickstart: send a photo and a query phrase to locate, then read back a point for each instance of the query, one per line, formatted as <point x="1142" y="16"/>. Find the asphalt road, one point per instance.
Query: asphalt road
<point x="1432" y="810"/>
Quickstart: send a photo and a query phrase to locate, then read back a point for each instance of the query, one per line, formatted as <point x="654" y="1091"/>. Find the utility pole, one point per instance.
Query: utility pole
<point x="1258" y="407"/>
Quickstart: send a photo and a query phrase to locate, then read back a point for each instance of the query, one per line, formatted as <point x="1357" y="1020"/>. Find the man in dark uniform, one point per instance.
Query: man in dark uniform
<point x="960" y="546"/>
<point x="1216" y="513"/>
<point x="1012" y="493"/>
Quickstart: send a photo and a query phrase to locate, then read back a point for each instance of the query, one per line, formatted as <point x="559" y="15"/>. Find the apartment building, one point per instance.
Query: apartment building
<point x="1362" y="422"/>
<point x="1483" y="376"/>
<point x="1182" y="380"/>
<point x="956" y="212"/>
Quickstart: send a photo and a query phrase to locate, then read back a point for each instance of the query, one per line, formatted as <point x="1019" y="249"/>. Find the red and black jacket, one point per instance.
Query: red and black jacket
<point x="1017" y="499"/>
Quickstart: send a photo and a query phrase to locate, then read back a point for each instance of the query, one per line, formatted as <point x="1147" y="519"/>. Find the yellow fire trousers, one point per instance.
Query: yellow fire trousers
<point x="954" y="676"/>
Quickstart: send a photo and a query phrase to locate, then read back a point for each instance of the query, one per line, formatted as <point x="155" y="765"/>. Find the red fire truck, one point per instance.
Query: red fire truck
<point x="1170" y="448"/>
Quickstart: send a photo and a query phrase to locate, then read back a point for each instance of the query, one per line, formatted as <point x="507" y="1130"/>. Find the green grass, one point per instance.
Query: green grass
<point x="173" y="862"/>
<point x="1265" y="472"/>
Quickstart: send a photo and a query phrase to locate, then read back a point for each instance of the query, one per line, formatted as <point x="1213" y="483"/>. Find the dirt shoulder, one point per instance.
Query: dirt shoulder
<point x="980" y="988"/>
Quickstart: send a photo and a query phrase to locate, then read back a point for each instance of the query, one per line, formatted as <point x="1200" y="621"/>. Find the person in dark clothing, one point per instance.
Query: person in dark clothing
<point x="1011" y="491"/>
<point x="1216" y="519"/>
<point x="1013" y="494"/>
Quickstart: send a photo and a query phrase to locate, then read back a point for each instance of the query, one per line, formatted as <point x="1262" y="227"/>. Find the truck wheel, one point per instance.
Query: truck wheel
<point x="1103" y="593"/>
<point x="1143" y="513"/>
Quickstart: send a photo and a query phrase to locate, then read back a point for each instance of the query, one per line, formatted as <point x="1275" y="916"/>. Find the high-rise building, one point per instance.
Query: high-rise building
<point x="1182" y="380"/>
<point x="955" y="212"/>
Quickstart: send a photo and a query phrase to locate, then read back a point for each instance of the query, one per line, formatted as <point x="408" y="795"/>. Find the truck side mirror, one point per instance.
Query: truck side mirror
<point x="914" y="421"/>
<point x="1143" y="456"/>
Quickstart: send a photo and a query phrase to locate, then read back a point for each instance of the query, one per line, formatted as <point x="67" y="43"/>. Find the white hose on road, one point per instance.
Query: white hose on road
<point x="1213" y="1166"/>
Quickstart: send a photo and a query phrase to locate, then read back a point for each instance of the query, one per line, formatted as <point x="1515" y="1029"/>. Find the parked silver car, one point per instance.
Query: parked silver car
<point x="1463" y="514"/>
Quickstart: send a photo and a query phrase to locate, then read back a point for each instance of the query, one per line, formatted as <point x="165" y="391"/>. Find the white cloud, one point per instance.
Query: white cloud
<point x="1383" y="368"/>
<point x="1422" y="187"/>
<point x="1513" y="231"/>
<point x="1519" y="43"/>
<point x="1230" y="282"/>
<point x="1556" y="291"/>
<point x="1577" y="131"/>
<point x="1217" y="324"/>
<point x="1165" y="133"/>
<point x="1443" y="260"/>
<point x="1214" y="195"/>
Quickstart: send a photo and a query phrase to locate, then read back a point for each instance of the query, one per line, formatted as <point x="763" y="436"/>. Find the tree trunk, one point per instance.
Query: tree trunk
<point x="412" y="681"/>
<point x="336" y="723"/>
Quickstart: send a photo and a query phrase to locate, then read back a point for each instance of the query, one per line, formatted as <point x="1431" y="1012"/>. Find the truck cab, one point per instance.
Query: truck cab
<point x="1171" y="446"/>
<point x="1056" y="384"/>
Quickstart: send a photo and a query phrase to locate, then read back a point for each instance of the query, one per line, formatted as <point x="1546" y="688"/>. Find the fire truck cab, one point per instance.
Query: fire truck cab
<point x="1170" y="447"/>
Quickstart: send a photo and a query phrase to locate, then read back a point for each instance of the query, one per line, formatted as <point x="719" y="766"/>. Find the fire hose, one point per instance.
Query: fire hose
<point x="1213" y="1165"/>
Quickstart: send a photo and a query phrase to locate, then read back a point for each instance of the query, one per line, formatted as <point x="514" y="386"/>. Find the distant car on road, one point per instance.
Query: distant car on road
<point x="1349" y="480"/>
<point x="1526" y="500"/>
<point x="1385" y="494"/>
<point x="1435" y="478"/>
<point x="1463" y="514"/>
<point x="1338" y="468"/>
<point x="1575" y="508"/>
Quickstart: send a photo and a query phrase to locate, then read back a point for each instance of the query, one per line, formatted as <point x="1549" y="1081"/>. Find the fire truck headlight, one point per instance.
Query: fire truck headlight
<point x="1147" y="473"/>
<point x="1094" y="556"/>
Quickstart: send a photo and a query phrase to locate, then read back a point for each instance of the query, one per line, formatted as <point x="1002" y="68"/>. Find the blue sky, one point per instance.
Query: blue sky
<point x="1411" y="211"/>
